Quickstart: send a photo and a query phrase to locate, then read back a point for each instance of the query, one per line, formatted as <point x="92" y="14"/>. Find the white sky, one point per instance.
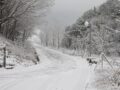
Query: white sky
<point x="67" y="11"/>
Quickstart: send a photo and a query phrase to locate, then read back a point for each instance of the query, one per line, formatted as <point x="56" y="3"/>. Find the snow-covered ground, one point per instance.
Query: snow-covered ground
<point x="56" y="71"/>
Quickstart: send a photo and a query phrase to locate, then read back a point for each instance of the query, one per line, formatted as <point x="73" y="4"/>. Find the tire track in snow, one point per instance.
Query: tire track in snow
<point x="63" y="75"/>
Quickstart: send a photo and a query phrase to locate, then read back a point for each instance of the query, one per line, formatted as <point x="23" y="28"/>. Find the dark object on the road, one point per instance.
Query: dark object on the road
<point x="91" y="61"/>
<point x="37" y="57"/>
<point x="1" y="66"/>
<point x="118" y="83"/>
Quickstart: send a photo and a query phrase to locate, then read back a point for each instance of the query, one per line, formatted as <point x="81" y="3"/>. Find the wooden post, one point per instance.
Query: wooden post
<point x="4" y="58"/>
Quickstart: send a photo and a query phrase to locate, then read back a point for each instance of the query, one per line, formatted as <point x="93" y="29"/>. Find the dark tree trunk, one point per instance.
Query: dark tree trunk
<point x="4" y="58"/>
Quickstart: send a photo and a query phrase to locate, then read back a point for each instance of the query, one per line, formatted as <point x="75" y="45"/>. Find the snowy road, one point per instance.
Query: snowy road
<point x="57" y="71"/>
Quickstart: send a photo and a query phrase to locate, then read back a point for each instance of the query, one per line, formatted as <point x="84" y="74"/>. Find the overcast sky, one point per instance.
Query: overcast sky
<point x="66" y="12"/>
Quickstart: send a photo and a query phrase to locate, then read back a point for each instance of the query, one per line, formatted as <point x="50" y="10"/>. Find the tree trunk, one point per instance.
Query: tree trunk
<point x="58" y="40"/>
<point x="4" y="58"/>
<point x="23" y="38"/>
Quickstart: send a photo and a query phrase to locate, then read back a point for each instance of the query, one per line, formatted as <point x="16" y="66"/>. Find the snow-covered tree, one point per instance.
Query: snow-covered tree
<point x="17" y="17"/>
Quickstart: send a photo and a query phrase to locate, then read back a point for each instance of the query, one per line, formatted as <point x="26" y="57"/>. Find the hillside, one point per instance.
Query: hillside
<point x="16" y="54"/>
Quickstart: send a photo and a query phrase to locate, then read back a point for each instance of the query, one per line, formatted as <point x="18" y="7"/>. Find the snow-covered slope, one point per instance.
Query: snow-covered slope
<point x="16" y="53"/>
<point x="56" y="71"/>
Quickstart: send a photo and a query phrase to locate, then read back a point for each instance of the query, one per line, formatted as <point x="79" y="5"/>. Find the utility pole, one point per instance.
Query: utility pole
<point x="103" y="43"/>
<point x="90" y="42"/>
<point x="88" y="26"/>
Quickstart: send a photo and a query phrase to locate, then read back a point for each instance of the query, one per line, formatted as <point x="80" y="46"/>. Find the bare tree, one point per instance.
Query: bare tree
<point x="16" y="16"/>
<point x="46" y="39"/>
<point x="58" y="41"/>
<point x="53" y="39"/>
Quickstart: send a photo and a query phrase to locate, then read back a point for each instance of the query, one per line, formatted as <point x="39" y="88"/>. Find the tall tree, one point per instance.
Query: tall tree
<point x="19" y="15"/>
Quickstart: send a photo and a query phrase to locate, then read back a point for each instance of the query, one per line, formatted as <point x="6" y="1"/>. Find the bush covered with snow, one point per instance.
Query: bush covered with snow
<point x="107" y="78"/>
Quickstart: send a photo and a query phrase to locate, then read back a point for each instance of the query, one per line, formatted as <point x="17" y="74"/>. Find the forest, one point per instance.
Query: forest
<point x="102" y="34"/>
<point x="36" y="54"/>
<point x="17" y="21"/>
<point x="18" y="17"/>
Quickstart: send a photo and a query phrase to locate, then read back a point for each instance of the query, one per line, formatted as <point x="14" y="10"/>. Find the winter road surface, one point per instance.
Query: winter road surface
<point x="57" y="71"/>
